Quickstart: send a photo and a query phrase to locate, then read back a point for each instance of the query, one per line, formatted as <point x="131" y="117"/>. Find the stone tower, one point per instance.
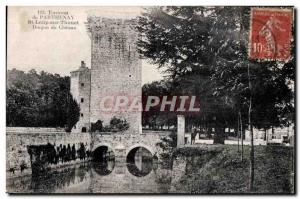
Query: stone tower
<point x="80" y="89"/>
<point x="115" y="67"/>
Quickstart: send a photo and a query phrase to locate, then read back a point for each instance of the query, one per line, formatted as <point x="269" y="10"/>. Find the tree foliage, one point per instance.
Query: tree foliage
<point x="117" y="124"/>
<point x="154" y="118"/>
<point x="97" y="126"/>
<point x="39" y="100"/>
<point x="203" y="50"/>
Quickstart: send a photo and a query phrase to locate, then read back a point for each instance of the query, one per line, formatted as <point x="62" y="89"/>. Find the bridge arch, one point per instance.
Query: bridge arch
<point x="109" y="145"/>
<point x="150" y="149"/>
<point x="103" y="158"/>
<point x="103" y="152"/>
<point x="141" y="165"/>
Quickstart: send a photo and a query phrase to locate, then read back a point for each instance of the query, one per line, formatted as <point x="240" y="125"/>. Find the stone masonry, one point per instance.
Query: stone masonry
<point x="18" y="139"/>
<point x="81" y="89"/>
<point x="115" y="71"/>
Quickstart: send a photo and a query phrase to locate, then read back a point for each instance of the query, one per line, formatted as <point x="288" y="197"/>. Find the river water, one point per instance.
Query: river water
<point x="204" y="173"/>
<point x="140" y="176"/>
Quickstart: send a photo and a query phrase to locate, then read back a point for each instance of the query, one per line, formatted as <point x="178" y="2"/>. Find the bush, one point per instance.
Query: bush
<point x="73" y="112"/>
<point x="98" y="126"/>
<point x="117" y="124"/>
<point x="168" y="143"/>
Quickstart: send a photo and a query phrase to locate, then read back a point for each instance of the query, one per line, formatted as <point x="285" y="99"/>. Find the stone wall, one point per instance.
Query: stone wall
<point x="18" y="139"/>
<point x="115" y="67"/>
<point x="277" y="133"/>
<point x="123" y="143"/>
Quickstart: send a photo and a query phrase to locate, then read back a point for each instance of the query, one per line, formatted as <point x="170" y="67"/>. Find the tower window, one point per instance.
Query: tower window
<point x="81" y="114"/>
<point x="82" y="84"/>
<point x="82" y="100"/>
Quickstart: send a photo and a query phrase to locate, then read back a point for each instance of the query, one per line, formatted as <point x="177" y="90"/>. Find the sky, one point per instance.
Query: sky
<point x="60" y="50"/>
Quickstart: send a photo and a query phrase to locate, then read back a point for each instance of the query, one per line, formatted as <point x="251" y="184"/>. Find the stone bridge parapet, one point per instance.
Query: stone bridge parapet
<point x="19" y="139"/>
<point x="123" y="143"/>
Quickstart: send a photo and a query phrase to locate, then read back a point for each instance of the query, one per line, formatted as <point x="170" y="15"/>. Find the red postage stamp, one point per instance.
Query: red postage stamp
<point x="270" y="34"/>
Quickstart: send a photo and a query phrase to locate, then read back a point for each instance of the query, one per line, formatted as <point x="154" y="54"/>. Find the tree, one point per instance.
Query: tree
<point x="98" y="126"/>
<point x="39" y="100"/>
<point x="211" y="43"/>
<point x="154" y="117"/>
<point x="73" y="113"/>
<point x="177" y="39"/>
<point x="249" y="84"/>
<point x="117" y="124"/>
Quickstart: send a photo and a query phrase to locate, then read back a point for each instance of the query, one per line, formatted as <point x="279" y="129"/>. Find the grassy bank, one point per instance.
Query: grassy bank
<point x="225" y="172"/>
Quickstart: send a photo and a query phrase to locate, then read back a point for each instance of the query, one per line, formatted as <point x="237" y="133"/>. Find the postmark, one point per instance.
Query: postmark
<point x="270" y="34"/>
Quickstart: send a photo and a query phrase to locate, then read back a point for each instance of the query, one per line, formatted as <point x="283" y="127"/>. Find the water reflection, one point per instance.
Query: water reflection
<point x="139" y="162"/>
<point x="103" y="160"/>
<point x="103" y="168"/>
<point x="55" y="181"/>
<point x="138" y="174"/>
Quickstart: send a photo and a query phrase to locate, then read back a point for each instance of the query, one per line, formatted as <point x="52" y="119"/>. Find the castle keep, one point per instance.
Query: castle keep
<point x="115" y="71"/>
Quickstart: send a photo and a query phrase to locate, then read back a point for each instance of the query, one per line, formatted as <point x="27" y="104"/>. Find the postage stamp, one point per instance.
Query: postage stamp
<point x="270" y="34"/>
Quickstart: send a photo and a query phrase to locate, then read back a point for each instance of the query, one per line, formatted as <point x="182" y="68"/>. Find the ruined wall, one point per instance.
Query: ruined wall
<point x="18" y="139"/>
<point x="115" y="67"/>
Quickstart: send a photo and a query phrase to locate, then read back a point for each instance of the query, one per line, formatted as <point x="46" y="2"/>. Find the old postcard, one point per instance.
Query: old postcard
<point x="150" y="100"/>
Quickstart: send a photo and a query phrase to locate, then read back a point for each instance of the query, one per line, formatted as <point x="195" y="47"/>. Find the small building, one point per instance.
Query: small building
<point x="278" y="135"/>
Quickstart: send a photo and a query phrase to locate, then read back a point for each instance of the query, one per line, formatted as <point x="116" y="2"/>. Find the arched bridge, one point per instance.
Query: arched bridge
<point x="20" y="140"/>
<point x="123" y="143"/>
